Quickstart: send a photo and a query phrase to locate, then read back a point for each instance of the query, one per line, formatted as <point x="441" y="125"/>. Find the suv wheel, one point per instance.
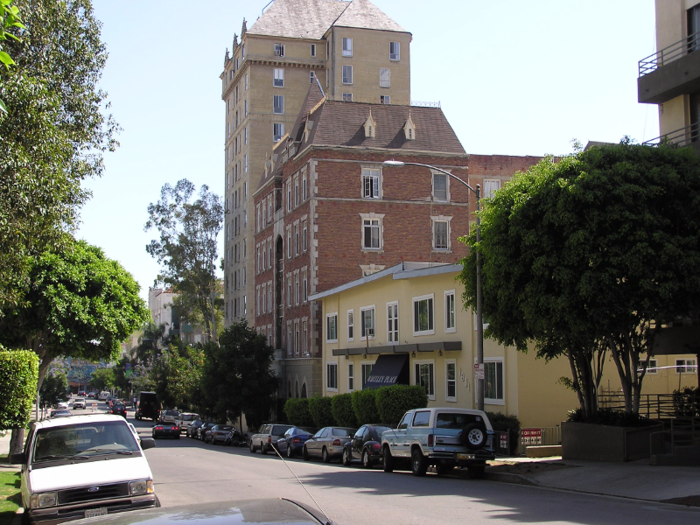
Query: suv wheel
<point x="388" y="460"/>
<point x="419" y="465"/>
<point x="473" y="436"/>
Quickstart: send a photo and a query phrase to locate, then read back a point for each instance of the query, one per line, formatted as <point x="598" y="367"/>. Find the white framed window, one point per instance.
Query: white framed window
<point x="424" y="375"/>
<point x="296" y="239"/>
<point x="245" y="108"/>
<point x="278" y="104"/>
<point x="686" y="366"/>
<point x="440" y="187"/>
<point x="384" y="77"/>
<point x="304" y="287"/>
<point x="313" y="50"/>
<point x="289" y="291"/>
<point x="493" y="381"/>
<point x="296" y="289"/>
<point x="305" y="337"/>
<point x="441" y="233"/>
<point x="304" y="185"/>
<point x="450" y="317"/>
<point x="347" y="47"/>
<point x="289" y="242"/>
<point x="491" y="186"/>
<point x="394" y="51"/>
<point x="347" y="97"/>
<point x="304" y="241"/>
<point x="332" y="376"/>
<point x="277" y="131"/>
<point x="371" y="183"/>
<point x="366" y="369"/>
<point x="384" y="99"/>
<point x="423" y="315"/>
<point x="367" y="322"/>
<point x="289" y="338"/>
<point x="289" y="196"/>
<point x="279" y="50"/>
<point x="392" y="321"/>
<point x="371" y="234"/>
<point x="351" y="377"/>
<point x="278" y="79"/>
<point x="312" y="75"/>
<point x="296" y="191"/>
<point x="451" y="380"/>
<point x="652" y="368"/>
<point x="332" y="327"/>
<point x="297" y="346"/>
<point x="347" y="74"/>
<point x="351" y="325"/>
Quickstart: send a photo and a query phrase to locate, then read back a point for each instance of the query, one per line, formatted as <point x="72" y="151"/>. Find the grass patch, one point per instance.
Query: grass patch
<point x="10" y="496"/>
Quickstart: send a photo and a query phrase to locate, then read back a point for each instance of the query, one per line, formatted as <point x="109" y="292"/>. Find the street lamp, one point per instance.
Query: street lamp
<point x="479" y="299"/>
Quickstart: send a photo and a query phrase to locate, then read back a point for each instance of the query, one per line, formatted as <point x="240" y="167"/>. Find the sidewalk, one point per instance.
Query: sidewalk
<point x="634" y="480"/>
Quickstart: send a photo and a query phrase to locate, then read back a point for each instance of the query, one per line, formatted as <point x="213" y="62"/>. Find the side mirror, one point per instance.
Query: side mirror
<point x="147" y="443"/>
<point x="17" y="459"/>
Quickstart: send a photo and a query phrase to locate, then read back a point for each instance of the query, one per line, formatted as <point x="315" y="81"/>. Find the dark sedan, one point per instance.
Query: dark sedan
<point x="218" y="434"/>
<point x="118" y="409"/>
<point x="327" y="443"/>
<point x="292" y="442"/>
<point x="365" y="445"/>
<point x="192" y="429"/>
<point x="166" y="430"/>
<point x="201" y="431"/>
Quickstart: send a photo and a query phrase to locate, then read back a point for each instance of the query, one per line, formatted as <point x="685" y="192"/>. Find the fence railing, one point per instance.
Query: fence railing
<point x="669" y="54"/>
<point x="680" y="137"/>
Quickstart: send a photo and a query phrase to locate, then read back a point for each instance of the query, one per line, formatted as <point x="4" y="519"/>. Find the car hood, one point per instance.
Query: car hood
<point x="84" y="473"/>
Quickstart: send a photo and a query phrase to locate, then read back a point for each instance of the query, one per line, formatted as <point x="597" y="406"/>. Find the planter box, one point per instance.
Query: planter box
<point x="589" y="442"/>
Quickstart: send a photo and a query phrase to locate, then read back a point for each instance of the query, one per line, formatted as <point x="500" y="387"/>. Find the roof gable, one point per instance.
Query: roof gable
<point x="298" y="18"/>
<point x="364" y="14"/>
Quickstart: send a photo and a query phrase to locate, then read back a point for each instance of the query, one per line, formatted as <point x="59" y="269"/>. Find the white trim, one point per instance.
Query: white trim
<point x="328" y="364"/>
<point x="448" y="398"/>
<point x="418" y="362"/>
<point x="448" y="220"/>
<point x="494" y="401"/>
<point x="418" y="299"/>
<point x="333" y="314"/>
<point x="398" y="323"/>
<point x="453" y="329"/>
<point x="351" y="325"/>
<point x="374" y="319"/>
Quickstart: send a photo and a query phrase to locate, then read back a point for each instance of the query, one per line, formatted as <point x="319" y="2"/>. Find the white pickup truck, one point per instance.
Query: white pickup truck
<point x="443" y="437"/>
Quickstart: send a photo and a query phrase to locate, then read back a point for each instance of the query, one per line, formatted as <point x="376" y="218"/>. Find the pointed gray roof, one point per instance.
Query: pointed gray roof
<point x="298" y="18"/>
<point x="364" y="14"/>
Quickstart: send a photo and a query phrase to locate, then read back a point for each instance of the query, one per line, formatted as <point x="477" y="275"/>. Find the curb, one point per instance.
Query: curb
<point x="516" y="479"/>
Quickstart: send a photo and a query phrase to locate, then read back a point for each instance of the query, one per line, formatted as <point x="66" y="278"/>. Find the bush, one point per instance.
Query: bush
<point x="365" y="407"/>
<point x="297" y="412"/>
<point x="393" y="402"/>
<point x="503" y="423"/>
<point x="343" y="413"/>
<point x="686" y="402"/>
<point x="19" y="375"/>
<point x="610" y="417"/>
<point x="320" y="409"/>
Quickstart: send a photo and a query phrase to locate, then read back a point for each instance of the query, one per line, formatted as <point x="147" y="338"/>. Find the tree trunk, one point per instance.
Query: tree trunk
<point x="17" y="441"/>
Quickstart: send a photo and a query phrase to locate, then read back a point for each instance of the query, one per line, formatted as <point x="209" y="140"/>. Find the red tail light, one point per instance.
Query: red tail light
<point x="376" y="446"/>
<point x="336" y="443"/>
<point x="296" y="440"/>
<point x="431" y="439"/>
<point x="269" y="439"/>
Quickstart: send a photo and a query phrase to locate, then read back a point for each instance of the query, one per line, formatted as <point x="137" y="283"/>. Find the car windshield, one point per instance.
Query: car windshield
<point x="224" y="427"/>
<point x="83" y="441"/>
<point x="279" y="430"/>
<point x="455" y="421"/>
<point x="189" y="417"/>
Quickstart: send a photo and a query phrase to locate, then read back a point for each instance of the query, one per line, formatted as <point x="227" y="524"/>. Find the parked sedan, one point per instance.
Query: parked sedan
<point x="327" y="443"/>
<point x="293" y="440"/>
<point x="201" y="431"/>
<point x="192" y="429"/>
<point x="365" y="445"/>
<point x="267" y="437"/>
<point x="169" y="416"/>
<point x="218" y="434"/>
<point x="118" y="409"/>
<point x="166" y="430"/>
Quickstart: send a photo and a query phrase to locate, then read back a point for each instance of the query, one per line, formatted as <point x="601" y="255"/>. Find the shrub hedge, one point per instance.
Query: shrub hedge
<point x="320" y="409"/>
<point x="297" y="411"/>
<point x="19" y="375"/>
<point x="365" y="407"/>
<point x="502" y="423"/>
<point x="393" y="401"/>
<point x="343" y="413"/>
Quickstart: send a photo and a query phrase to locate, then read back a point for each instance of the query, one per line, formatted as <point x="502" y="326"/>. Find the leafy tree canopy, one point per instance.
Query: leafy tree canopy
<point x="103" y="379"/>
<point x="187" y="249"/>
<point x="596" y="249"/>
<point x="79" y="304"/>
<point x="55" y="134"/>
<point x="53" y="389"/>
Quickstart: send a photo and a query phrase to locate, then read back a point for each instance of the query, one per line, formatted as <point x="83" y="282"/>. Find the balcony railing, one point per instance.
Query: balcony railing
<point x="669" y="54"/>
<point x="681" y="137"/>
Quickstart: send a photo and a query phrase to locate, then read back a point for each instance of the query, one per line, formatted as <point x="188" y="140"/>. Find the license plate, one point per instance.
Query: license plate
<point x="91" y="513"/>
<point x="465" y="456"/>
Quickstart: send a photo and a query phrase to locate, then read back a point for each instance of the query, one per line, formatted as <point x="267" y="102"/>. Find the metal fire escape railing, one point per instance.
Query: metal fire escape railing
<point x="669" y="54"/>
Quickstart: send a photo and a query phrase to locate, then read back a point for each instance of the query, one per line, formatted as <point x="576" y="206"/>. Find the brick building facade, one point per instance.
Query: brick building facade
<point x="328" y="212"/>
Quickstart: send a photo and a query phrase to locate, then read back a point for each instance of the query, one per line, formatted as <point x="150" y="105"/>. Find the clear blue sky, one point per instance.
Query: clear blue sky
<point x="513" y="78"/>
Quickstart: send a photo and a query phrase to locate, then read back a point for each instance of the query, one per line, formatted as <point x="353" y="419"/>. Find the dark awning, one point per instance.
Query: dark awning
<point x="389" y="369"/>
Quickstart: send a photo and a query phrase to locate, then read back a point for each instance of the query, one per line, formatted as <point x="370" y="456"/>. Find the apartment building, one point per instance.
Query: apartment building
<point x="328" y="211"/>
<point x="351" y="49"/>
<point x="670" y="77"/>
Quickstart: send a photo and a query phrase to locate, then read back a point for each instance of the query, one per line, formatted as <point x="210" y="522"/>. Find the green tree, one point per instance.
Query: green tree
<point x="187" y="249"/>
<point x="56" y="135"/>
<point x="80" y="304"/>
<point x="103" y="379"/>
<point x="53" y="389"/>
<point x="176" y="375"/>
<point x="19" y="372"/>
<point x="9" y="20"/>
<point x="591" y="253"/>
<point x="237" y="376"/>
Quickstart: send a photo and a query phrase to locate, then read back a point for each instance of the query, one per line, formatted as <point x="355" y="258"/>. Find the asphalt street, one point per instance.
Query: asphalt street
<point x="188" y="471"/>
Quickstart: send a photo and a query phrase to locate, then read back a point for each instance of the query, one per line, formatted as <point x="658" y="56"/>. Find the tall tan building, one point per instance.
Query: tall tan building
<point x="352" y="49"/>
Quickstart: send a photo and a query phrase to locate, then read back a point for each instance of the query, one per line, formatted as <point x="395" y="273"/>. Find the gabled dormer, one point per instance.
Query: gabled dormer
<point x="370" y="126"/>
<point x="409" y="128"/>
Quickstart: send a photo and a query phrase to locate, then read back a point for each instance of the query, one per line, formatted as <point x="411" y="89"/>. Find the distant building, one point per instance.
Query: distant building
<point x="160" y="303"/>
<point x="352" y="49"/>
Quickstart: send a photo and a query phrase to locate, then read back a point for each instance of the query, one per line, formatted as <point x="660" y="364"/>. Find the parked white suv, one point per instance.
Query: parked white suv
<point x="83" y="466"/>
<point x="185" y="419"/>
